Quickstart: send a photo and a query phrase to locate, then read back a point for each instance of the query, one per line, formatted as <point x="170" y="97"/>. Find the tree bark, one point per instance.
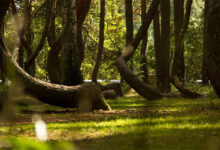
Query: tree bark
<point x="113" y="86"/>
<point x="176" y="63"/>
<point x="4" y="4"/>
<point x="81" y="16"/>
<point x="164" y="55"/>
<point x="213" y="44"/>
<point x="205" y="45"/>
<point x="101" y="41"/>
<point x="53" y="61"/>
<point x="143" y="89"/>
<point x="129" y="25"/>
<point x="144" y="69"/>
<point x="157" y="44"/>
<point x="54" y="94"/>
<point x="20" y="32"/>
<point x="70" y="71"/>
<point x="28" y="33"/>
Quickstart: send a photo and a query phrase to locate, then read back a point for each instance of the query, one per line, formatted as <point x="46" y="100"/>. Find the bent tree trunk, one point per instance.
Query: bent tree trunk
<point x="179" y="42"/>
<point x="143" y="89"/>
<point x="86" y="97"/>
<point x="213" y="45"/>
<point x="54" y="94"/>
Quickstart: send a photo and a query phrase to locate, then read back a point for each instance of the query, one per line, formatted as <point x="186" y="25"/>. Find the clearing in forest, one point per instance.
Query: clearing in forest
<point x="134" y="123"/>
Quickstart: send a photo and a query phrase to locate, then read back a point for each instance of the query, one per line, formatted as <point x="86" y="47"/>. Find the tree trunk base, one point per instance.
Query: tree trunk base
<point x="116" y="87"/>
<point x="183" y="90"/>
<point x="110" y="94"/>
<point x="142" y="88"/>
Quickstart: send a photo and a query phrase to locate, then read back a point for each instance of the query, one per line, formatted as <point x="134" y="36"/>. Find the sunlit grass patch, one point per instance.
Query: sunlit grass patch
<point x="134" y="123"/>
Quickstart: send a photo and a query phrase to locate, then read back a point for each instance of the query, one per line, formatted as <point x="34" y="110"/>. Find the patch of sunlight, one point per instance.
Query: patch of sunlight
<point x="4" y="129"/>
<point x="189" y="126"/>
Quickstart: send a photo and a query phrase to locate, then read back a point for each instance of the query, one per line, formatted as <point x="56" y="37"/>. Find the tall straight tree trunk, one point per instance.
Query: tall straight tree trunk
<point x="213" y="44"/>
<point x="53" y="61"/>
<point x="81" y="13"/>
<point x="144" y="69"/>
<point x="101" y="41"/>
<point x="164" y="55"/>
<point x="3" y="69"/>
<point x="30" y="68"/>
<point x="157" y="45"/>
<point x="129" y="25"/>
<point x="179" y="65"/>
<point x="71" y="73"/>
<point x="205" y="45"/>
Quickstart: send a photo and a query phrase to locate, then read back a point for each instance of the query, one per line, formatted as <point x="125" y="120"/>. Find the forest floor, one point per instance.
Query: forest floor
<point x="133" y="123"/>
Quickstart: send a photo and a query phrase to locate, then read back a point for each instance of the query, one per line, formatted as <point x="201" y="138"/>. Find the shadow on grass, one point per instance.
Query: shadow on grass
<point x="169" y="139"/>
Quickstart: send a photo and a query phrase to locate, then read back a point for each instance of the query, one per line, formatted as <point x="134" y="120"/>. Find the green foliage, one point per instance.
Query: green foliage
<point x="114" y="38"/>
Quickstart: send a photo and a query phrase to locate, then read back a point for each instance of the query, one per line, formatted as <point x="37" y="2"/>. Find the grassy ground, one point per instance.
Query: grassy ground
<point x="134" y="123"/>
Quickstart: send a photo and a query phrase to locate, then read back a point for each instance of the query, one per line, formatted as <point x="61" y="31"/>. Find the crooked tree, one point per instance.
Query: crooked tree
<point x="59" y="95"/>
<point x="180" y="31"/>
<point x="142" y="88"/>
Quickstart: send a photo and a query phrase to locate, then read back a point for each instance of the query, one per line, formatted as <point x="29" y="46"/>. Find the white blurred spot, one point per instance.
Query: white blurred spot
<point x="40" y="128"/>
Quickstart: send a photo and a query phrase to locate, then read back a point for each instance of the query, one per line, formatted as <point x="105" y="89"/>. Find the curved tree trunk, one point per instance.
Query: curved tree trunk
<point x="213" y="45"/>
<point x="54" y="94"/>
<point x="59" y="95"/>
<point x="113" y="86"/>
<point x="138" y="85"/>
<point x="101" y="42"/>
<point x="178" y="55"/>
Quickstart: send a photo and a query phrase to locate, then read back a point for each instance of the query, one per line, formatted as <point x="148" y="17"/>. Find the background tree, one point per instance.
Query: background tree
<point x="213" y="44"/>
<point x="54" y="41"/>
<point x="129" y="25"/>
<point x="101" y="41"/>
<point x="142" y="88"/>
<point x="179" y="65"/>
<point x="81" y="13"/>
<point x="178" y="55"/>
<point x="205" y="44"/>
<point x="70" y="69"/>
<point x="143" y="61"/>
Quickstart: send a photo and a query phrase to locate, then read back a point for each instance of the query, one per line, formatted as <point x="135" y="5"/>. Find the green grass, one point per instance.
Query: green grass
<point x="134" y="123"/>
